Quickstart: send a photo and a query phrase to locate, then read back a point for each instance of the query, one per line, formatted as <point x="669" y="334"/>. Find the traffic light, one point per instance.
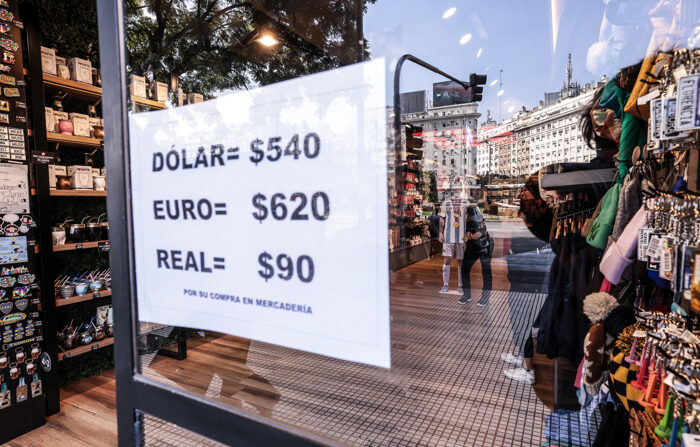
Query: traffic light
<point x="413" y="137"/>
<point x="476" y="81"/>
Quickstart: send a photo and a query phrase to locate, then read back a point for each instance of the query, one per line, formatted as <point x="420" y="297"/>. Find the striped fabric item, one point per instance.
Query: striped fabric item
<point x="450" y="210"/>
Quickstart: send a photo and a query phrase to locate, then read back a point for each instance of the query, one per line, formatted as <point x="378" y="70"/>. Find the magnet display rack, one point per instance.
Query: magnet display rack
<point x="22" y="322"/>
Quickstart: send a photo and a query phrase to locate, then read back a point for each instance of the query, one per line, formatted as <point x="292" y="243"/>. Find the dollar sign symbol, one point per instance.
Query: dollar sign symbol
<point x="263" y="260"/>
<point x="260" y="209"/>
<point x="257" y="152"/>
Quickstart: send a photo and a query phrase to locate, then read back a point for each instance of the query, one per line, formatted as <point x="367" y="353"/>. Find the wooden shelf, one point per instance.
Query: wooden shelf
<point x="72" y="140"/>
<point x="80" y="246"/>
<point x="148" y="103"/>
<point x="77" y="193"/>
<point x="81" y="298"/>
<point x="87" y="348"/>
<point x="78" y="90"/>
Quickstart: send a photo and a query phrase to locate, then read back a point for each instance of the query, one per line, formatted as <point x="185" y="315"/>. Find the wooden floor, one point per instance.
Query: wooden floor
<point x="445" y="386"/>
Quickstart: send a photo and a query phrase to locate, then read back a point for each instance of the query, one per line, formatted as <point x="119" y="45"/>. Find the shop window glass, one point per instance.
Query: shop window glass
<point x="459" y="330"/>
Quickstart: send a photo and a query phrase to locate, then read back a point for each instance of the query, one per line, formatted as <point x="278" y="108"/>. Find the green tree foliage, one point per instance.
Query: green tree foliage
<point x="210" y="44"/>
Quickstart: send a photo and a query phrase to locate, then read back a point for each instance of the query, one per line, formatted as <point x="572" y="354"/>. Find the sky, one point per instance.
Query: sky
<point x="514" y="36"/>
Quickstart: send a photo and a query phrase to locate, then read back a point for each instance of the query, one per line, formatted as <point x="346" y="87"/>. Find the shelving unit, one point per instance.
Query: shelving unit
<point x="79" y="90"/>
<point x="77" y="193"/>
<point x="73" y="140"/>
<point x="80" y="298"/>
<point x="148" y="103"/>
<point x="80" y="246"/>
<point x="95" y="345"/>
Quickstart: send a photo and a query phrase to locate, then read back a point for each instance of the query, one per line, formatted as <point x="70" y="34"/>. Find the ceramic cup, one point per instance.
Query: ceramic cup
<point x="65" y="127"/>
<point x="81" y="288"/>
<point x="98" y="182"/>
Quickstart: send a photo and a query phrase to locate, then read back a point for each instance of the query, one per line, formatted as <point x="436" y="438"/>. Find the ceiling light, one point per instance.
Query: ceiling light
<point x="466" y="38"/>
<point x="449" y="13"/>
<point x="478" y="53"/>
<point x="267" y="40"/>
<point x="500" y="92"/>
<point x="494" y="82"/>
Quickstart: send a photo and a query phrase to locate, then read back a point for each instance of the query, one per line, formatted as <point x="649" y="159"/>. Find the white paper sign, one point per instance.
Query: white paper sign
<point x="14" y="190"/>
<point x="263" y="214"/>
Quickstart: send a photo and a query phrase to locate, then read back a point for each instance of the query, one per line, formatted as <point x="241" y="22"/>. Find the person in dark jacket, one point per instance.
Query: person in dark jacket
<point x="478" y="248"/>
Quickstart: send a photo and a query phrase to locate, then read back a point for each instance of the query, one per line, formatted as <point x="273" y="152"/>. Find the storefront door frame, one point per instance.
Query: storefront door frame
<point x="135" y="393"/>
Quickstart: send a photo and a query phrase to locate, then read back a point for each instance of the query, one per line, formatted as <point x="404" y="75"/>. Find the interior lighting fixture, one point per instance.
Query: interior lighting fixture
<point x="466" y="38"/>
<point x="267" y="40"/>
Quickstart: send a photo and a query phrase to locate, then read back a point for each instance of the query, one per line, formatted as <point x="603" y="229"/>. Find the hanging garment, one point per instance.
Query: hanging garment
<point x="563" y="326"/>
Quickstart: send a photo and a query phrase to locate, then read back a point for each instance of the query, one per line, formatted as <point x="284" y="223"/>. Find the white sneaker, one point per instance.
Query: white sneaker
<point x="444" y="289"/>
<point x="460" y="290"/>
<point x="509" y="357"/>
<point x="521" y="375"/>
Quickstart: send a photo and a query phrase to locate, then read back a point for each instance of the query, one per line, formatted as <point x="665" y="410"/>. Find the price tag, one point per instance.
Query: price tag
<point x="643" y="243"/>
<point x="263" y="214"/>
<point x="653" y="250"/>
<point x="78" y="246"/>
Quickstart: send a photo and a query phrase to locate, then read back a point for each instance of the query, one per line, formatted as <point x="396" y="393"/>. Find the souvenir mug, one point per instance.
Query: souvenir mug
<point x="19" y="355"/>
<point x="30" y="367"/>
<point x="3" y="360"/>
<point x="36" y="351"/>
<point x="58" y="235"/>
<point x="14" y="371"/>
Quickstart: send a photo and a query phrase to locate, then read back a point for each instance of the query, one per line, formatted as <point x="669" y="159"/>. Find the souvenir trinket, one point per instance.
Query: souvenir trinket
<point x="7" y="281"/>
<point x="4" y="118"/>
<point x="21" y="304"/>
<point x="26" y="278"/>
<point x="8" y="58"/>
<point x="10" y="92"/>
<point x="6" y="79"/>
<point x="3" y="360"/>
<point x="20" y="292"/>
<point x="29" y="329"/>
<point x="31" y="368"/>
<point x="21" y="390"/>
<point x="4" y="106"/>
<point x="13" y="318"/>
<point x="13" y="271"/>
<point x="6" y="43"/>
<point x="14" y="370"/>
<point x="10" y="230"/>
<point x="19" y="355"/>
<point x="6" y="308"/>
<point x="4" y="4"/>
<point x="3" y="296"/>
<point x="36" y="385"/>
<point x="7" y="335"/>
<point x="19" y="332"/>
<point x="5" y="399"/>
<point x="5" y="68"/>
<point x="6" y="15"/>
<point x="36" y="351"/>
<point x="5" y="29"/>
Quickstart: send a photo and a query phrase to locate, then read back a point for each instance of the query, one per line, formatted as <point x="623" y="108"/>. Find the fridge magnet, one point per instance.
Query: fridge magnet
<point x="10" y="92"/>
<point x="4" y="106"/>
<point x="6" y="15"/>
<point x="8" y="58"/>
<point x="5" y="29"/>
<point x="9" y="80"/>
<point x="8" y="44"/>
<point x="4" y="118"/>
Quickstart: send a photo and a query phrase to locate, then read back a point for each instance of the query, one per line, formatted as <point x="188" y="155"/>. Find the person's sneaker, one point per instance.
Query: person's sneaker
<point x="465" y="299"/>
<point x="509" y="357"/>
<point x="444" y="289"/>
<point x="482" y="303"/>
<point x="521" y="375"/>
<point x="460" y="290"/>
